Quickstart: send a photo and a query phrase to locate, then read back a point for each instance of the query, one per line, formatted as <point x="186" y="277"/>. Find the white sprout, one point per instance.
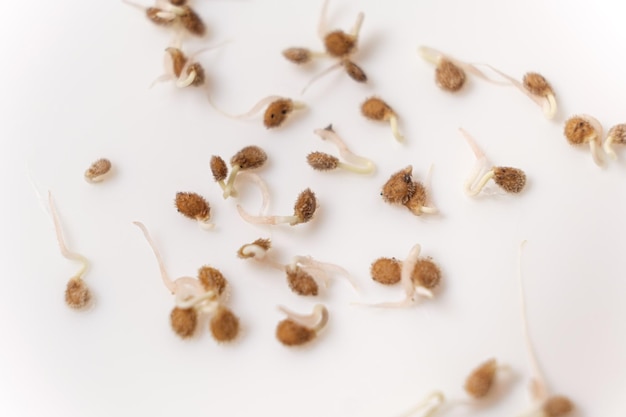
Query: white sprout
<point x="511" y="180"/>
<point x="436" y="57"/>
<point x="545" y="404"/>
<point x="357" y="164"/>
<point x="316" y="320"/>
<point x="616" y="135"/>
<point x="431" y="404"/>
<point x="73" y="256"/>
<point x="184" y="288"/>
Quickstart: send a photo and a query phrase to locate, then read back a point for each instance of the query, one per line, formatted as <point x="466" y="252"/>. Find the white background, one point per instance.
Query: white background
<point x="75" y="88"/>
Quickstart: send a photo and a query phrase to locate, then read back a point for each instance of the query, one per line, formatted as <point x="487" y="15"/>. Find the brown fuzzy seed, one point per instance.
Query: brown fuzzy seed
<point x="557" y="406"/>
<point x="511" y="180"/>
<point x="386" y="270"/>
<point x="290" y="333"/>
<point x="153" y="15"/>
<point x="218" y="168"/>
<point x="322" y="161"/>
<point x="250" y="157"/>
<point x="376" y="109"/>
<point x="305" y="206"/>
<point x="77" y="295"/>
<point x="339" y="44"/>
<point x="618" y="133"/>
<point x="263" y="243"/>
<point x="301" y="282"/>
<point x="536" y="84"/>
<point x="178" y="60"/>
<point x="480" y="381"/>
<point x="400" y="187"/>
<point x="178" y="2"/>
<point x="354" y="71"/>
<point x="192" y="205"/>
<point x="192" y="21"/>
<point x="224" y="325"/>
<point x="212" y="279"/>
<point x="97" y="169"/>
<point x="418" y="199"/>
<point x="184" y="321"/>
<point x="578" y="130"/>
<point x="426" y="274"/>
<point x="448" y="76"/>
<point x="297" y="55"/>
<point x="200" y="77"/>
<point x="277" y="112"/>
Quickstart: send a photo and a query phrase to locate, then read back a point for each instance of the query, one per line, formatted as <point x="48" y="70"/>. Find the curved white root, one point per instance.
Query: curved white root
<point x="161" y="79"/>
<point x="316" y="320"/>
<point x="271" y="220"/>
<point x="595" y="138"/>
<point x="538" y="386"/>
<point x="206" y="224"/>
<point x="474" y="191"/>
<point x="186" y="82"/>
<point x="259" y="182"/>
<point x="393" y="121"/>
<point x="171" y="286"/>
<point x="608" y="147"/>
<point x="320" y="75"/>
<point x="253" y="250"/>
<point x="550" y="106"/>
<point x="481" y="162"/>
<point x="64" y="250"/>
<point x="596" y="151"/>
<point x="431" y="404"/>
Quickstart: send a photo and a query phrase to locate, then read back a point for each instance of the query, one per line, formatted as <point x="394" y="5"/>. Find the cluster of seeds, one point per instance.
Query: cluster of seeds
<point x="207" y="294"/>
<point x="338" y="45"/>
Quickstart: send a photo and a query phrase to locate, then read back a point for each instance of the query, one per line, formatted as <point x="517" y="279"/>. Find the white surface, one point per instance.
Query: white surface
<point x="76" y="77"/>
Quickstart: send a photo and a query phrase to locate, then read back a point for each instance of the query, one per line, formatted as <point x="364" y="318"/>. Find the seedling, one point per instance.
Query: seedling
<point x="616" y="135"/>
<point x="298" y="329"/>
<point x="545" y="404"/>
<point x="450" y="74"/>
<point x="324" y="162"/>
<point x="511" y="180"/>
<point x="77" y="294"/>
<point x="402" y="189"/>
<point x="537" y="88"/>
<point x="184" y="70"/>
<point x="303" y="273"/>
<point x="194" y="297"/>
<point x="337" y="44"/>
<point x="583" y="129"/>
<point x="419" y="277"/>
<point x="376" y="109"/>
<point x="174" y="13"/>
<point x="250" y="157"/>
<point x="478" y="385"/>
<point x="277" y="110"/>
<point x="303" y="211"/>
<point x="98" y="171"/>
<point x="195" y="207"/>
